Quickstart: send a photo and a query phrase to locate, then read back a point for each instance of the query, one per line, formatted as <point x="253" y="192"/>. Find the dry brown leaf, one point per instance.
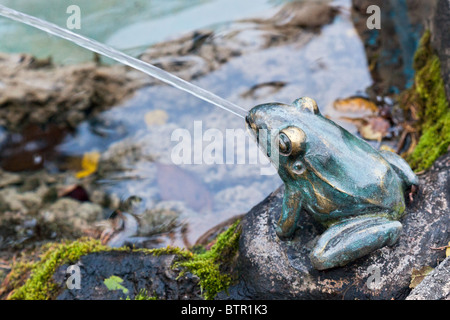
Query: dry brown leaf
<point x="372" y="128"/>
<point x="417" y="275"/>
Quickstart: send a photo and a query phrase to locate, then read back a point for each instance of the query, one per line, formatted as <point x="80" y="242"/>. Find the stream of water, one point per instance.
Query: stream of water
<point x="121" y="57"/>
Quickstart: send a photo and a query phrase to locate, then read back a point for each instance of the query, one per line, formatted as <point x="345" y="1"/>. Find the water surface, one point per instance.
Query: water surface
<point x="331" y="64"/>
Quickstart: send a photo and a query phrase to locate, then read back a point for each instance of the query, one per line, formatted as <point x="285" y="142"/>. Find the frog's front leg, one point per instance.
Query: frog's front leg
<point x="401" y="167"/>
<point x="353" y="238"/>
<point x="290" y="214"/>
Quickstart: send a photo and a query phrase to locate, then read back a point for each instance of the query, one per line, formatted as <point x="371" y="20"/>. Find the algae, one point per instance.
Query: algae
<point x="431" y="107"/>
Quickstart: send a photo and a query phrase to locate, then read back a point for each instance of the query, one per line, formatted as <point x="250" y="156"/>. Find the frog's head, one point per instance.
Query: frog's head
<point x="281" y="131"/>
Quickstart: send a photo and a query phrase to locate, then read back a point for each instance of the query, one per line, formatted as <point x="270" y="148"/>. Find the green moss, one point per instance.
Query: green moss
<point x="423" y="51"/>
<point x="39" y="286"/>
<point x="208" y="266"/>
<point x="166" y="251"/>
<point x="428" y="94"/>
<point x="143" y="295"/>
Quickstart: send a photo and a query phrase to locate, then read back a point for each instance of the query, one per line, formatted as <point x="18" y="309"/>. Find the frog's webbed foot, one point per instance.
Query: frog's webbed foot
<point x="352" y="239"/>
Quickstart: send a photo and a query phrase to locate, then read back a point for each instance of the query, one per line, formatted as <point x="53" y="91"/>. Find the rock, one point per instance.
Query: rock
<point x="32" y="212"/>
<point x="305" y="14"/>
<point x="390" y="49"/>
<point x="441" y="39"/>
<point x="416" y="17"/>
<point x="71" y="214"/>
<point x="274" y="269"/>
<point x="137" y="270"/>
<point x="435" y="286"/>
<point x="35" y="92"/>
<point x="12" y="199"/>
<point x="8" y="178"/>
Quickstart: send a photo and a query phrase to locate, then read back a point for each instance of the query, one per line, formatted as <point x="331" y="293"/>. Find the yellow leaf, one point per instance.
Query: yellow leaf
<point x="447" y="252"/>
<point x="89" y="164"/>
<point x="386" y="148"/>
<point x="354" y="105"/>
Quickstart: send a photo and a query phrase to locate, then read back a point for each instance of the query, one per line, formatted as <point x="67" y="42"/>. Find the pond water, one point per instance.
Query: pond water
<point x="327" y="65"/>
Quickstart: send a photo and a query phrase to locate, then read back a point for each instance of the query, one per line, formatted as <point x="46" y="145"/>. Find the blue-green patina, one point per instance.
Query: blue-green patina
<point x="354" y="190"/>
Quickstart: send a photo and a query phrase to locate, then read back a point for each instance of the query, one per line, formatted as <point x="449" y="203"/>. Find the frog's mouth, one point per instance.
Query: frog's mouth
<point x="251" y="128"/>
<point x="264" y="142"/>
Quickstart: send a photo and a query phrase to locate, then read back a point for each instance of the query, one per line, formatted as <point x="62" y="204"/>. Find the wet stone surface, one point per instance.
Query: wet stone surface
<point x="137" y="270"/>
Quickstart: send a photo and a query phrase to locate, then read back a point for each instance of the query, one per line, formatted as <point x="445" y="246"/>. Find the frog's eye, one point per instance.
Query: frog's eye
<point x="291" y="141"/>
<point x="307" y="104"/>
<point x="284" y="144"/>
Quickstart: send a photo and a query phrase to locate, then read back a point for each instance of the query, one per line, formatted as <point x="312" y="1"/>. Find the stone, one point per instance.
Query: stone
<point x="273" y="269"/>
<point x="435" y="286"/>
<point x="390" y="49"/>
<point x="138" y="271"/>
<point x="72" y="214"/>
<point x="441" y="39"/>
<point x="64" y="94"/>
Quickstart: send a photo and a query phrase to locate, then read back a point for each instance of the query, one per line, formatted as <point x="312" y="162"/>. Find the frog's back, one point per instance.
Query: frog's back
<point x="349" y="165"/>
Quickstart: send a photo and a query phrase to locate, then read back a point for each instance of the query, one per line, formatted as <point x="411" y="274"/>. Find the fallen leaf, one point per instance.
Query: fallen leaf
<point x="76" y="192"/>
<point x="89" y="164"/>
<point x="417" y="275"/>
<point x="156" y="117"/>
<point x="372" y="128"/>
<point x="376" y="129"/>
<point x="386" y="148"/>
<point x="447" y="251"/>
<point x="114" y="283"/>
<point x="355" y="105"/>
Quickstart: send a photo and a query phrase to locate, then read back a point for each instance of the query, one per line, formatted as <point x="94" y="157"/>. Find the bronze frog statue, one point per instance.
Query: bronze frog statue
<point x="357" y="192"/>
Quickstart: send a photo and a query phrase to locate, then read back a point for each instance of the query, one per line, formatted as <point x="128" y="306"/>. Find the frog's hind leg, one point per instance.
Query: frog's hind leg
<point x="352" y="239"/>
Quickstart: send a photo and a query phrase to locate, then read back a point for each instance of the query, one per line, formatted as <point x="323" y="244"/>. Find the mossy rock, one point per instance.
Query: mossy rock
<point x="39" y="285"/>
<point x="169" y="273"/>
<point x="429" y="97"/>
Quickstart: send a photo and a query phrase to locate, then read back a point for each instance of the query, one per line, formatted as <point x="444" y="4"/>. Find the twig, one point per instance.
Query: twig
<point x="4" y="266"/>
<point x="440" y="248"/>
